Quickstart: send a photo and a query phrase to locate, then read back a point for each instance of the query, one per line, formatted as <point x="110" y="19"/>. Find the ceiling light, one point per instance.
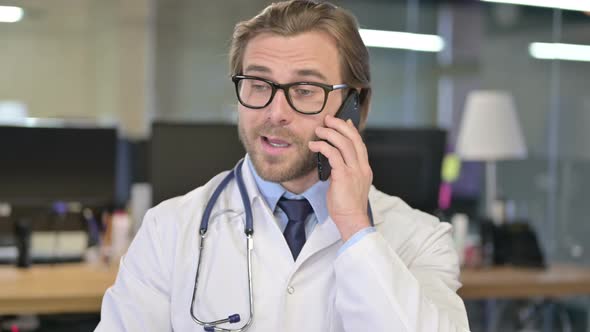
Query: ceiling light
<point x="582" y="5"/>
<point x="402" y="40"/>
<point x="557" y="51"/>
<point x="10" y="14"/>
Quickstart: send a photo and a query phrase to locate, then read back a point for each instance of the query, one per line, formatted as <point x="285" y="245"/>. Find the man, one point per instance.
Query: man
<point x="327" y="269"/>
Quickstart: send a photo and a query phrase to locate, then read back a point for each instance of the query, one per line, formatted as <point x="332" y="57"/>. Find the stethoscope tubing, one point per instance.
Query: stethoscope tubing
<point x="248" y="230"/>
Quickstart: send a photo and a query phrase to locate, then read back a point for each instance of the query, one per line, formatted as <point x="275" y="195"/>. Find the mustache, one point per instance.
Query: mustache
<point x="282" y="132"/>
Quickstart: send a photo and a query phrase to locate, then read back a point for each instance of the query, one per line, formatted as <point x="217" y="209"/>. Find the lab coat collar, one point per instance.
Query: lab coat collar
<point x="251" y="187"/>
<point x="270" y="191"/>
<point x="324" y="234"/>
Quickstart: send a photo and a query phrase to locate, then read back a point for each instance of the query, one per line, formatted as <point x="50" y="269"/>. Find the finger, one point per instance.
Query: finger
<point x="343" y="144"/>
<point x="359" y="144"/>
<point x="348" y="129"/>
<point x="332" y="153"/>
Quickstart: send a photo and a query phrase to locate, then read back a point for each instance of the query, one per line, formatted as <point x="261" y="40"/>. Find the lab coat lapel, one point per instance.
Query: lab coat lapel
<point x="324" y="235"/>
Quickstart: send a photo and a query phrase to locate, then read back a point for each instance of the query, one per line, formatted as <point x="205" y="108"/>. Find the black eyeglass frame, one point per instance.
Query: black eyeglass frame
<point x="285" y="87"/>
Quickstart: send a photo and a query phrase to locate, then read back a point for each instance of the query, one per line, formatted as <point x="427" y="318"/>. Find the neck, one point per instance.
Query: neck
<point x="301" y="184"/>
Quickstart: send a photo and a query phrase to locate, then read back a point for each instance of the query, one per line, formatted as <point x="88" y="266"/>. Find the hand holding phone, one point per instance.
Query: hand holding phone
<point x="348" y="110"/>
<point x="348" y="193"/>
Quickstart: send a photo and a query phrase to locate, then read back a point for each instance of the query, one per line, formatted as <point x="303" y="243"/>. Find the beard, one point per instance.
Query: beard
<point x="282" y="168"/>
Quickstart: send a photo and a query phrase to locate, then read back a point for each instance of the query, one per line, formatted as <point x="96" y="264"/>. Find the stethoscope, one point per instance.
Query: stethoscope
<point x="249" y="230"/>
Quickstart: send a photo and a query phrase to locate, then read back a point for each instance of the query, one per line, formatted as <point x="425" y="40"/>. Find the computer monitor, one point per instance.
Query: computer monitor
<point x="185" y="156"/>
<point x="42" y="165"/>
<point x="406" y="162"/>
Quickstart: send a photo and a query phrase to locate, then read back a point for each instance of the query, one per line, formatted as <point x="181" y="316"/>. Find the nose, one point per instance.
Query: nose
<point x="279" y="111"/>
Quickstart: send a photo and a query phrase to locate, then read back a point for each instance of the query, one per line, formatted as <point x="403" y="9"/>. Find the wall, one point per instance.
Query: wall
<point x="81" y="60"/>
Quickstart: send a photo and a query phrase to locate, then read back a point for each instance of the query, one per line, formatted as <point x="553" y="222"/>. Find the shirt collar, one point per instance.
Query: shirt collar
<point x="273" y="191"/>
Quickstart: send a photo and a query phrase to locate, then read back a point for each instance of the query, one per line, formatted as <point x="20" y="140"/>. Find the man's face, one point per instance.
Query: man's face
<point x="276" y="136"/>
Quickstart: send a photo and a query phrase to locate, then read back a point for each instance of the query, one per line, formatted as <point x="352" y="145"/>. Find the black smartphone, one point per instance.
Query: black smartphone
<point x="348" y="110"/>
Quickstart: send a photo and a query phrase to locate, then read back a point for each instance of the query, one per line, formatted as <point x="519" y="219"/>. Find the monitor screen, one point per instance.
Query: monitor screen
<point x="407" y="163"/>
<point x="185" y="156"/>
<point x="40" y="166"/>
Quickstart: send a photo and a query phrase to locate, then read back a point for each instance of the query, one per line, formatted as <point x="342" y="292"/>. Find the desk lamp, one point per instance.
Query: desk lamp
<point x="490" y="132"/>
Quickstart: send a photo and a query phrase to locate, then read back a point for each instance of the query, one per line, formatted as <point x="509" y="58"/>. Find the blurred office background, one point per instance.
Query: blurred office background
<point x="129" y="64"/>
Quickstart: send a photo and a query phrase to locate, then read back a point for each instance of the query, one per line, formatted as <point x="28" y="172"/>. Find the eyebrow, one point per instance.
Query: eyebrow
<point x="312" y="73"/>
<point x="257" y="68"/>
<point x="301" y="72"/>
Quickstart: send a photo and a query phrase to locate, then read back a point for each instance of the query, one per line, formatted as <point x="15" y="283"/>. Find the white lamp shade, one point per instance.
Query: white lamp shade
<point x="12" y="112"/>
<point x="490" y="129"/>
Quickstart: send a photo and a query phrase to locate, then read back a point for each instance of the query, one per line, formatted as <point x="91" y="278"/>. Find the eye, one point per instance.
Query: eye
<point x="259" y="86"/>
<point x="304" y="92"/>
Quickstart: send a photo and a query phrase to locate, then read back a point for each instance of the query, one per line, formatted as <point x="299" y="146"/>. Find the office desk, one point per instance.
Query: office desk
<point x="47" y="289"/>
<point x="76" y="288"/>
<point x="512" y="283"/>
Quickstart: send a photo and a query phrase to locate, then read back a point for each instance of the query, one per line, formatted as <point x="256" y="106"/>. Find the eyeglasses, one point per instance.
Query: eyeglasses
<point x="304" y="97"/>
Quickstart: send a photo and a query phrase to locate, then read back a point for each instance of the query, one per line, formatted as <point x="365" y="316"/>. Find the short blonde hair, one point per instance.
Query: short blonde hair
<point x="298" y="16"/>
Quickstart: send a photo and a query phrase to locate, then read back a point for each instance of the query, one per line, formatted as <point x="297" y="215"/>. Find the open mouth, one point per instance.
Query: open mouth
<point x="274" y="142"/>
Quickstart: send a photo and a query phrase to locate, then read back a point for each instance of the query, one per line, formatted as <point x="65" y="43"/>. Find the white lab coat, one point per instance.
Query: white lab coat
<point x="403" y="277"/>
